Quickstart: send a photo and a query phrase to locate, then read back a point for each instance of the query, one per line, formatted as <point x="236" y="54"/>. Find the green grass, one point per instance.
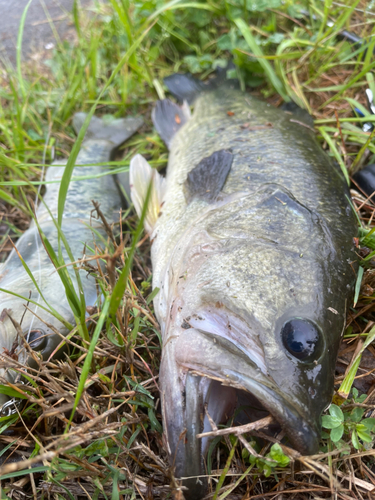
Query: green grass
<point x="122" y="52"/>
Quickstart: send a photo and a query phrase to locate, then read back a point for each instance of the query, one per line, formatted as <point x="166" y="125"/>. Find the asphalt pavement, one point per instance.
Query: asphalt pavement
<point x="38" y="35"/>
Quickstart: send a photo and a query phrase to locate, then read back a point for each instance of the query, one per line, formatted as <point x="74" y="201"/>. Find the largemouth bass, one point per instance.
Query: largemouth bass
<point x="252" y="248"/>
<point x="80" y="228"/>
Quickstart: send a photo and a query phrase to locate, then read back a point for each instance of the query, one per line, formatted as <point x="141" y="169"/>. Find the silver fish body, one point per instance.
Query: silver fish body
<point x="79" y="229"/>
<point x="255" y="279"/>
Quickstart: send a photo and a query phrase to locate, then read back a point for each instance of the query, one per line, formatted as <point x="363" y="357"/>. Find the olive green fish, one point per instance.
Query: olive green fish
<point x="251" y="249"/>
<point x="80" y="229"/>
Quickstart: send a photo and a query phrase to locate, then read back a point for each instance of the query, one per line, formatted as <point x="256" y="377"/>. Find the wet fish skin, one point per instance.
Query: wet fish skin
<point x="274" y="246"/>
<point x="101" y="140"/>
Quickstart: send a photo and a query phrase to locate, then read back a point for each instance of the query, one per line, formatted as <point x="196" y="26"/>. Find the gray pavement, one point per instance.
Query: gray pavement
<point x="38" y="35"/>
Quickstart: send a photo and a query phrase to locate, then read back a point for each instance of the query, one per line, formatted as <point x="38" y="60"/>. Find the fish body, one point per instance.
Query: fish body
<point x="79" y="228"/>
<point x="252" y="253"/>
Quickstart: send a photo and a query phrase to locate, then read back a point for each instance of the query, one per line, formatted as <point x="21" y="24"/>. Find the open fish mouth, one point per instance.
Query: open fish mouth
<point x="212" y="373"/>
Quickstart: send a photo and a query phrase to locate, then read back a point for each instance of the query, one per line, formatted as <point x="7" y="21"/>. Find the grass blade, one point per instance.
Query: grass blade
<point x="119" y="289"/>
<point x="358" y="285"/>
<point x="87" y="365"/>
<point x="65" y="180"/>
<point x="225" y="470"/>
<point x="268" y="69"/>
<point x="19" y="49"/>
<point x="336" y="154"/>
<point x="18" y="473"/>
<point x="353" y="168"/>
<point x="347" y="383"/>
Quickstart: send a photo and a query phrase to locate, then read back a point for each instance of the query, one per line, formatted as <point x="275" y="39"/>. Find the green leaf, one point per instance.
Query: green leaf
<point x="369" y="423"/>
<point x="357" y="414"/>
<point x="262" y="5"/>
<point x="364" y="436"/>
<point x="226" y="42"/>
<point x="277" y="454"/>
<point x="355" y="440"/>
<point x="336" y="412"/>
<point x="336" y="433"/>
<point x="329" y="422"/>
<point x="77" y="451"/>
<point x="99" y="447"/>
<point x="198" y="64"/>
<point x="267" y="470"/>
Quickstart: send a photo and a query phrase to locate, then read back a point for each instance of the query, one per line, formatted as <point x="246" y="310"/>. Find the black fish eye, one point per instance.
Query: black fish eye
<point x="303" y="339"/>
<point x="36" y="339"/>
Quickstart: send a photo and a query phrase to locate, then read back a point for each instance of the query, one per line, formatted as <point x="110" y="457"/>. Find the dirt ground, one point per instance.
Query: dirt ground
<point x="38" y="35"/>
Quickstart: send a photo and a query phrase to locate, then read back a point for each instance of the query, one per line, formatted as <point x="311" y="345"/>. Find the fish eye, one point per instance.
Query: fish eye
<point x="302" y="339"/>
<point x="37" y="339"/>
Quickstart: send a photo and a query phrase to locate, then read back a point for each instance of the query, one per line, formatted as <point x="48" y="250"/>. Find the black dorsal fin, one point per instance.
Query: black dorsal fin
<point x="207" y="179"/>
<point x="184" y="87"/>
<point x="168" y="118"/>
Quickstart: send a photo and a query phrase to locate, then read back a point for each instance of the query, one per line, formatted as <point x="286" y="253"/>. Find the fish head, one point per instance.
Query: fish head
<point x="251" y="306"/>
<point x="24" y="338"/>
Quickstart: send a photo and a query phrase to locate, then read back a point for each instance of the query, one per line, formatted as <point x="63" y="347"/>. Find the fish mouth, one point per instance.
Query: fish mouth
<point x="213" y="371"/>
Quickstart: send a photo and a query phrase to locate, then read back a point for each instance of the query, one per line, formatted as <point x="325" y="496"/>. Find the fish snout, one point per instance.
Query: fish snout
<point x="202" y="376"/>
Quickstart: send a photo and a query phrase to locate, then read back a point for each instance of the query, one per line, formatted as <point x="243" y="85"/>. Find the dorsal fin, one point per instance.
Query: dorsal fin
<point x="168" y="118"/>
<point x="185" y="87"/>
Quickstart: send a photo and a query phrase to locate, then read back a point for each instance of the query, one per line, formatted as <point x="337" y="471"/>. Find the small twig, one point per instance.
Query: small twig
<point x="241" y="429"/>
<point x="303" y="124"/>
<point x="107" y="227"/>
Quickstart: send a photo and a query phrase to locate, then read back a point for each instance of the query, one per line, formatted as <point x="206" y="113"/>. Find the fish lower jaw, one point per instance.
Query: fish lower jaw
<point x="210" y="401"/>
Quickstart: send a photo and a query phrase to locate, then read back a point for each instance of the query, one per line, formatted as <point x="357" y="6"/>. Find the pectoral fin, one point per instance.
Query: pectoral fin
<point x="207" y="179"/>
<point x="141" y="175"/>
